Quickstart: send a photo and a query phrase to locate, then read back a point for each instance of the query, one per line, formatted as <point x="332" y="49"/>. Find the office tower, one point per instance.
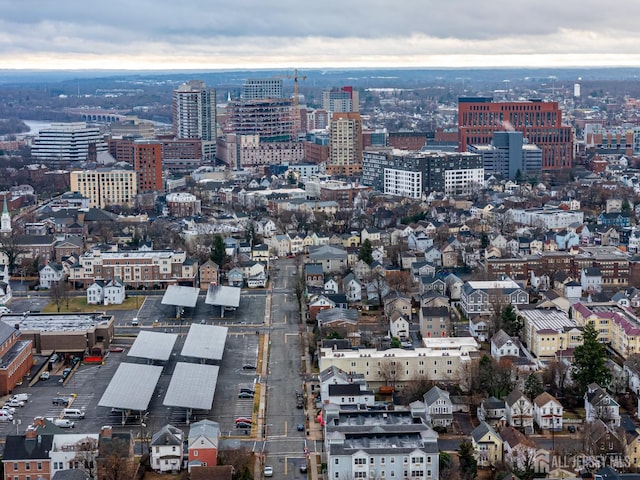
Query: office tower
<point x="261" y="88"/>
<point x="340" y="100"/>
<point x="147" y="162"/>
<point x="540" y="123"/>
<point x="345" y="144"/>
<point x="415" y="173"/>
<point x="104" y="187"/>
<point x="194" y="115"/>
<point x="509" y="155"/>
<point x="67" y="142"/>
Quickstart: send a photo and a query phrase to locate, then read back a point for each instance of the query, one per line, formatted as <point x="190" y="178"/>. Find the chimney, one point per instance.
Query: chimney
<point x="31" y="432"/>
<point x="38" y="422"/>
<point x="105" y="432"/>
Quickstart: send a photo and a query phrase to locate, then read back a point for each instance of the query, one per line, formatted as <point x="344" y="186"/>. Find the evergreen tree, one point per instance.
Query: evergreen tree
<point x="590" y="361"/>
<point x="366" y="251"/>
<point x="468" y="462"/>
<point x="218" y="250"/>
<point x="511" y="323"/>
<point x="626" y="206"/>
<point x="533" y="386"/>
<point x="484" y="241"/>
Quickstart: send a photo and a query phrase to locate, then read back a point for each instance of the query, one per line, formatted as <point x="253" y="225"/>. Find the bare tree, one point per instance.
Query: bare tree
<point x="241" y="459"/>
<point x="60" y="294"/>
<point x="11" y="246"/>
<point x="86" y="455"/>
<point x="115" y="461"/>
<point x="401" y="282"/>
<point x="389" y="371"/>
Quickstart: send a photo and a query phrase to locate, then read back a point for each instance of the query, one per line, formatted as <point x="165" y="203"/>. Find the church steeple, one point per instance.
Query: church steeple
<point x="5" y="219"/>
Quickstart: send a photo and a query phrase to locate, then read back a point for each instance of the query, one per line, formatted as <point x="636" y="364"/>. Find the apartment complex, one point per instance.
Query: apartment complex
<point x="540" y="123"/>
<point x="147" y="162"/>
<point x="376" y="444"/>
<point x="345" y="144"/>
<point x="508" y="156"/>
<point x="105" y="187"/>
<point x="247" y="151"/>
<point x="413" y="173"/>
<point x="612" y="263"/>
<point x="270" y="118"/>
<point x="481" y="297"/>
<point x="194" y="115"/>
<point x="340" y="100"/>
<point x="67" y="142"/>
<point x="616" y="326"/>
<point x="440" y="359"/>
<point x="547" y="332"/>
<point x="150" y="269"/>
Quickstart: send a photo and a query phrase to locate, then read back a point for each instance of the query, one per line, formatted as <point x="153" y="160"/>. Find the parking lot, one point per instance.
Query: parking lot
<point x="86" y="385"/>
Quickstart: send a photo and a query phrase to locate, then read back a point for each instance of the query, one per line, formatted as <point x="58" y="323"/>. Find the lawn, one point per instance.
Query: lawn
<point x="79" y="304"/>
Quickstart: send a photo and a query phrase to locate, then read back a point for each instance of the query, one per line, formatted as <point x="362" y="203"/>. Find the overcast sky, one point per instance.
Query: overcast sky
<point x="210" y="34"/>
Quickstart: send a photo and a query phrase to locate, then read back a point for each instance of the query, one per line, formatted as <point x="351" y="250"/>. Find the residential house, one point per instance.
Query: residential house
<point x="340" y="320"/>
<point x="451" y="253"/>
<point x="398" y="325"/>
<point x="603" y="441"/>
<point x="362" y="270"/>
<point x="432" y="284"/>
<point x="433" y="256"/>
<point x="479" y="327"/>
<point x="518" y="450"/>
<point x="332" y="258"/>
<point x="321" y="302"/>
<point x="114" y="445"/>
<point x="454" y="286"/>
<point x="235" y="277"/>
<point x="166" y="449"/>
<point x="330" y="286"/>
<point x="203" y="441"/>
<point x="280" y="244"/>
<point x="337" y="376"/>
<point x="493" y="411"/>
<point x="502" y="345"/>
<point x="519" y="411"/>
<point x="209" y="274"/>
<point x="95" y="293"/>
<point x="351" y="240"/>
<point x="50" y="274"/>
<point x="419" y="241"/>
<point x="434" y="321"/>
<point x="600" y="405"/>
<point x="422" y="268"/>
<point x="352" y="288"/>
<point x="547" y="412"/>
<point x="397" y="302"/>
<point x="260" y="253"/>
<point x="487" y="445"/>
<point x="354" y="394"/>
<point x="28" y="454"/>
<point x="591" y="280"/>
<point x="370" y="233"/>
<point x="480" y="297"/>
<point x="114" y="292"/>
<point x="439" y="407"/>
<point x="313" y="275"/>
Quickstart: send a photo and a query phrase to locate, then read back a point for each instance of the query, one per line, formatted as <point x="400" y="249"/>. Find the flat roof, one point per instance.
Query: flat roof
<point x="52" y="322"/>
<point x="180" y="296"/>
<point x="153" y="345"/>
<point x="132" y="386"/>
<point x="205" y="341"/>
<point x="223" y="296"/>
<point x="192" y="386"/>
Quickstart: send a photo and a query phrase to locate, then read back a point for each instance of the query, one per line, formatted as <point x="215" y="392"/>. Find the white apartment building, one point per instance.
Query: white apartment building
<point x="396" y="444"/>
<point x="67" y="142"/>
<point x="106" y="187"/>
<point x="550" y="218"/>
<point x="440" y="360"/>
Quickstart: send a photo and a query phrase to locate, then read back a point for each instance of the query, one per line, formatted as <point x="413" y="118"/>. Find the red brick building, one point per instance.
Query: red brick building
<point x="540" y="123"/>
<point x="407" y="140"/>
<point x="17" y="357"/>
<point x="147" y="162"/>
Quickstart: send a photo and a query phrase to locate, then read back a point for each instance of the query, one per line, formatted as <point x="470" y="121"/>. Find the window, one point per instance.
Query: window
<point x="337" y="461"/>
<point x="39" y="465"/>
<point x="27" y="465"/>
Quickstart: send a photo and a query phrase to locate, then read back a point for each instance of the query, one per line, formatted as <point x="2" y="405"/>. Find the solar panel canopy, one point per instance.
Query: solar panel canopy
<point x="131" y="387"/>
<point x="223" y="296"/>
<point x="180" y="296"/>
<point x="205" y="341"/>
<point x="192" y="386"/>
<point x="153" y="345"/>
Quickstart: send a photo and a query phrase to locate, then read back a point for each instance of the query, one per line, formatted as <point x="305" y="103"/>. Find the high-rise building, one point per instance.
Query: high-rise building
<point x="345" y="144"/>
<point x="105" y="187"/>
<point x="540" y="123"/>
<point x="509" y="155"/>
<point x="270" y="119"/>
<point x="414" y="173"/>
<point x="147" y="162"/>
<point x="262" y="88"/>
<point x="67" y="142"/>
<point x="340" y="100"/>
<point x="194" y="115"/>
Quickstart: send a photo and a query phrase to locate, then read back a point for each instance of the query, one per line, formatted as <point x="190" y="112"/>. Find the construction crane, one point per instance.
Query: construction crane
<point x="295" y="78"/>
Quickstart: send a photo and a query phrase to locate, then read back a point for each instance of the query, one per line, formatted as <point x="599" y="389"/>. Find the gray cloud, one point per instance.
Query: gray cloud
<point x="256" y="29"/>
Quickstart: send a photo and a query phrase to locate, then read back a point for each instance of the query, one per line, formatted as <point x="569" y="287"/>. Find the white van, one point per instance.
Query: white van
<point x="74" y="413"/>
<point x="134" y="322"/>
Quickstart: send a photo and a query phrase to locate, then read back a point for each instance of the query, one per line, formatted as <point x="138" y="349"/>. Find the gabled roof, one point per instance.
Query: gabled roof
<point x="482" y="430"/>
<point x="514" y="396"/>
<point x="544" y="398"/>
<point x="434" y="395"/>
<point x="206" y="428"/>
<point x="500" y="338"/>
<point x="167" y="435"/>
<point x="18" y="447"/>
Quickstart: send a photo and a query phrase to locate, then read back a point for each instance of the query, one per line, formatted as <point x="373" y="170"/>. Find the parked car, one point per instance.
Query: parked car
<point x="571" y="429"/>
<point x="248" y="366"/>
<point x="245" y="395"/>
<point x="44" y="376"/>
<point x="11" y="410"/>
<point x="63" y="423"/>
<point x="243" y="425"/>
<point x="13" y="402"/>
<point x="5" y="416"/>
<point x="66" y="372"/>
<point x="60" y="401"/>
<point x="244" y="420"/>
<point x="268" y="471"/>
<point x="116" y="349"/>
<point x="303" y="468"/>
<point x="301" y="427"/>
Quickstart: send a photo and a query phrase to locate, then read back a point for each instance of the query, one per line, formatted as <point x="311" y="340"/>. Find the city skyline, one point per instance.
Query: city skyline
<point x="148" y="35"/>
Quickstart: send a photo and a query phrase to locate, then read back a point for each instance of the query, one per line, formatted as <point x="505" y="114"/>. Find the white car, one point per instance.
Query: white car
<point x="268" y="471"/>
<point x="63" y="423"/>
<point x="5" y="416"/>
<point x="8" y="409"/>
<point x="14" y="402"/>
